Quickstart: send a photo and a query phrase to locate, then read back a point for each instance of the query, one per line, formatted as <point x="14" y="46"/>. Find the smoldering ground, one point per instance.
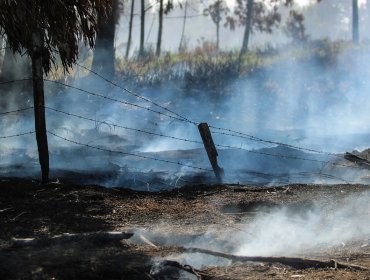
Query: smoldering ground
<point x="308" y="229"/>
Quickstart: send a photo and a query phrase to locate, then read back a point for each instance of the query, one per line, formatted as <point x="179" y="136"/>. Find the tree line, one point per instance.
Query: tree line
<point x="255" y="16"/>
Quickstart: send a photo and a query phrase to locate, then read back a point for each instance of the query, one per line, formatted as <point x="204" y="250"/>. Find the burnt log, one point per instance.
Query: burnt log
<point x="357" y="159"/>
<point x="298" y="263"/>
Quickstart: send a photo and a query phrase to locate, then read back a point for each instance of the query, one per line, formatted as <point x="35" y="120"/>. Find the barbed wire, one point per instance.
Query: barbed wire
<point x="257" y="139"/>
<point x="136" y="94"/>
<point x="232" y="132"/>
<point x="15" y="81"/>
<point x="15" y="111"/>
<point x="129" y="154"/>
<point x="229" y="147"/>
<point x="239" y="134"/>
<point x="17" y="135"/>
<point x="116" y="100"/>
<point x="273" y="155"/>
<point x="291" y="157"/>
<point x="124" y="127"/>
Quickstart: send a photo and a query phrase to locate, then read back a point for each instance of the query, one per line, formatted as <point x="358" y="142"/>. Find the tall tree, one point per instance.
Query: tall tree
<point x="104" y="53"/>
<point x="142" y="29"/>
<point x="39" y="27"/>
<point x="262" y="16"/>
<point x="355" y="22"/>
<point x="164" y="9"/>
<point x="130" y="29"/>
<point x="248" y="27"/>
<point x="160" y="27"/>
<point x="182" y="38"/>
<point x="295" y="28"/>
<point x="215" y="11"/>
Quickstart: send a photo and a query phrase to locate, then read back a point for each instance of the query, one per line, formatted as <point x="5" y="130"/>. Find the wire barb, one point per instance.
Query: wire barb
<point x="16" y="111"/>
<point x="17" y="135"/>
<point x="257" y="139"/>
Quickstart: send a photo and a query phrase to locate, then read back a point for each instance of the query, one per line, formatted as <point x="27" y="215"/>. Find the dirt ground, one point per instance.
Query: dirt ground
<point x="162" y="223"/>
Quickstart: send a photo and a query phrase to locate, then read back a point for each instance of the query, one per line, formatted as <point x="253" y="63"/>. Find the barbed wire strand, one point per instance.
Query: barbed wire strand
<point x="123" y="127"/>
<point x="273" y="155"/>
<point x="183" y="139"/>
<point x="129" y="154"/>
<point x="303" y="174"/>
<point x="241" y="134"/>
<point x="229" y="147"/>
<point x="257" y="139"/>
<point x="16" y="111"/>
<point x="15" y="81"/>
<point x="250" y="137"/>
<point x="137" y="95"/>
<point x="17" y="135"/>
<point x="116" y="100"/>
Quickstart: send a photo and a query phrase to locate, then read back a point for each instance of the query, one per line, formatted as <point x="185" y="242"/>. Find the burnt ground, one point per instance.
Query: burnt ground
<point x="162" y="223"/>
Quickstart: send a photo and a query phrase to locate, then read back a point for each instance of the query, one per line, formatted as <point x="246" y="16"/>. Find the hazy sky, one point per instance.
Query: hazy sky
<point x="307" y="2"/>
<point x="200" y="28"/>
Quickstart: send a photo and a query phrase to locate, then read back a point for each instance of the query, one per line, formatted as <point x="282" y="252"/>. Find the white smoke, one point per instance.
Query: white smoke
<point x="283" y="231"/>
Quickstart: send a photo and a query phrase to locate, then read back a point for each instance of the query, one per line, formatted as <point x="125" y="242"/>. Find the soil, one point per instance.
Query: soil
<point x="163" y="223"/>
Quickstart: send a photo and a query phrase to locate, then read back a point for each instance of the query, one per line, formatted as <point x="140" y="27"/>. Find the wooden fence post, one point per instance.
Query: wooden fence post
<point x="210" y="147"/>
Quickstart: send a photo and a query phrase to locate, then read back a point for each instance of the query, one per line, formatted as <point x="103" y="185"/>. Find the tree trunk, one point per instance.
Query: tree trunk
<point x="142" y="29"/>
<point x="130" y="29"/>
<point x="355" y="22"/>
<point x="1" y="50"/>
<point x="181" y="48"/>
<point x="217" y="35"/>
<point x="160" y="28"/>
<point x="104" y="53"/>
<point x="39" y="105"/>
<point x="248" y="27"/>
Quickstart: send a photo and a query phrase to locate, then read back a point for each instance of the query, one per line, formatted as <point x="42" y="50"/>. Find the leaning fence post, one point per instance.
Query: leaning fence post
<point x="210" y="147"/>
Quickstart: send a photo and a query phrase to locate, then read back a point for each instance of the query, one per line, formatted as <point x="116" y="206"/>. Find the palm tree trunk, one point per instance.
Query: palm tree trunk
<point x="130" y="29"/>
<point x="39" y="105"/>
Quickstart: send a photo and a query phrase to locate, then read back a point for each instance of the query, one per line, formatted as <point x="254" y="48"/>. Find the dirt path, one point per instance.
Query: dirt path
<point x="220" y="218"/>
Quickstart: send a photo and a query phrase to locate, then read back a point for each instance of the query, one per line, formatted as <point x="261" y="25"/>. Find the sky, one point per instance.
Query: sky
<point x="200" y="28"/>
<point x="307" y="2"/>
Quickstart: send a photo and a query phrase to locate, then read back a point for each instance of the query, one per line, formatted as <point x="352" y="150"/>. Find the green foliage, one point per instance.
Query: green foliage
<point x="58" y="24"/>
